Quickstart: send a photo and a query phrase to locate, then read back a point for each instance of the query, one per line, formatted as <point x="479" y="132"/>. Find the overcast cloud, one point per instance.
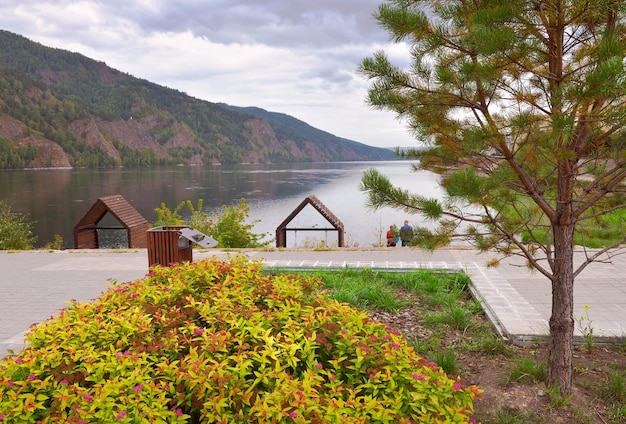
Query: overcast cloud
<point x="297" y="57"/>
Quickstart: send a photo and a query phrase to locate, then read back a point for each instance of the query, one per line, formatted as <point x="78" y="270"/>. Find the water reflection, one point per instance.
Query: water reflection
<point x="57" y="199"/>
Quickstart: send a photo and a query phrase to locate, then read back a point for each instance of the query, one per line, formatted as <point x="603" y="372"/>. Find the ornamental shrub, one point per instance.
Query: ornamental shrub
<point x="221" y="342"/>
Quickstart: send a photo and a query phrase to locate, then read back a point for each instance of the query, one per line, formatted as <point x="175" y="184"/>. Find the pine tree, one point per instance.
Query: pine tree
<point x="521" y="107"/>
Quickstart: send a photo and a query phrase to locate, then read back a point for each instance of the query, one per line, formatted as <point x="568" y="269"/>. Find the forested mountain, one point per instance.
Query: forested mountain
<point x="62" y="109"/>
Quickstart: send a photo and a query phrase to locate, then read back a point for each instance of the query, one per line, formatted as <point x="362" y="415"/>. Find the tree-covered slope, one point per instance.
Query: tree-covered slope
<point x="59" y="108"/>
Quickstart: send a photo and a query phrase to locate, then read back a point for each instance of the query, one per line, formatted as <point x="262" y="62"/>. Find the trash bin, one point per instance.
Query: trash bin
<point x="166" y="246"/>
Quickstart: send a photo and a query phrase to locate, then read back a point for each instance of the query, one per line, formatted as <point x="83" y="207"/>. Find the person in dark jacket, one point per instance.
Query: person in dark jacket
<point x="406" y="233"/>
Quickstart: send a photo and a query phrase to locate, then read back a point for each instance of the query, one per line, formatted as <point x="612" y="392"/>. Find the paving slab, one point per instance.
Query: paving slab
<point x="35" y="285"/>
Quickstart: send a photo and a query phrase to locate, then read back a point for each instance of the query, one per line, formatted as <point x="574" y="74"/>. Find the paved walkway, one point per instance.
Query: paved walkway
<point x="34" y="285"/>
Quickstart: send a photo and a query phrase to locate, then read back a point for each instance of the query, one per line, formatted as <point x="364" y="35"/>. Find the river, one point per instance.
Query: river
<point x="56" y="199"/>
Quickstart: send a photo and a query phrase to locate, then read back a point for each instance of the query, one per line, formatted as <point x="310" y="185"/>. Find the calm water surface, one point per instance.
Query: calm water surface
<point x="57" y="199"/>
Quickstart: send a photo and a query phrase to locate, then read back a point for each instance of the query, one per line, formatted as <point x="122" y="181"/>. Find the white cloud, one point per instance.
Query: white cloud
<point x="296" y="57"/>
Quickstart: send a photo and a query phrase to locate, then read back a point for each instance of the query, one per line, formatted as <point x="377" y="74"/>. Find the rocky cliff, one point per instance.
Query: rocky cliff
<point x="62" y="109"/>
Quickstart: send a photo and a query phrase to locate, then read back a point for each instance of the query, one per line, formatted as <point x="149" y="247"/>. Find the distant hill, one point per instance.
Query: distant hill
<point x="62" y="109"/>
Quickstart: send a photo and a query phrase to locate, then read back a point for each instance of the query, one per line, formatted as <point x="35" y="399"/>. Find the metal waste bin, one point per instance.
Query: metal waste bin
<point x="166" y="246"/>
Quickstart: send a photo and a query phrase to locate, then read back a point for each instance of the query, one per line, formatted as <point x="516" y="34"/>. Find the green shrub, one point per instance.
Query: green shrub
<point x="220" y="341"/>
<point x="229" y="228"/>
<point x="16" y="231"/>
<point x="167" y="217"/>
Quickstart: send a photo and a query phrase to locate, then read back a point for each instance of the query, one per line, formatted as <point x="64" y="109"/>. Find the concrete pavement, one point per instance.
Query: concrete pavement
<point x="35" y="285"/>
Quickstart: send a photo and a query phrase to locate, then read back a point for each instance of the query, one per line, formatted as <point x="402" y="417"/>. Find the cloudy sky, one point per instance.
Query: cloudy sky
<point x="297" y="57"/>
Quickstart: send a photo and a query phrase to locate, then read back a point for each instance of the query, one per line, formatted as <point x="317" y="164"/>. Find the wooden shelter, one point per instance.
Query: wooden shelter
<point x="336" y="224"/>
<point x="86" y="230"/>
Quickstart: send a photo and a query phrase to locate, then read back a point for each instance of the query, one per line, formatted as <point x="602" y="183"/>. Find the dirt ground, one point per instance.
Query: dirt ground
<point x="514" y="402"/>
<point x="531" y="400"/>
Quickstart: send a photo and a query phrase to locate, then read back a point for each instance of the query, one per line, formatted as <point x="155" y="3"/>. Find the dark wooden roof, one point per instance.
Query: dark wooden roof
<point x="118" y="207"/>
<point x="320" y="207"/>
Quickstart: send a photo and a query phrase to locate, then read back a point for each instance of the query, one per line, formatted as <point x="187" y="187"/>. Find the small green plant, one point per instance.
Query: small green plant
<point x="618" y="413"/>
<point x="581" y="415"/>
<point x="316" y="244"/>
<point x="620" y="343"/>
<point x="16" y="231"/>
<point x="426" y="346"/>
<point x="55" y="244"/>
<point x="167" y="217"/>
<point x="455" y="316"/>
<point x="198" y="218"/>
<point x="324" y="246"/>
<point x="490" y="344"/>
<point x="381" y="297"/>
<point x="526" y="370"/>
<point x="514" y="417"/>
<point x="615" y="388"/>
<point x="557" y="400"/>
<point x="446" y="359"/>
<point x="585" y="327"/>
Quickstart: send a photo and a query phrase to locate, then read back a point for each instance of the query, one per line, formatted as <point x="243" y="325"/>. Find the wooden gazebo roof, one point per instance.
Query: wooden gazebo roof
<point x="337" y="225"/>
<point x="86" y="230"/>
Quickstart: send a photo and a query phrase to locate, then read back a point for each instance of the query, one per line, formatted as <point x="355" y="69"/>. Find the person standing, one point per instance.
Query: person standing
<point x="406" y="233"/>
<point x="391" y="237"/>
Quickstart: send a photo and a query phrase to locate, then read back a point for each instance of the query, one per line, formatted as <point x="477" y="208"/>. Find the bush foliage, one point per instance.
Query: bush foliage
<point x="220" y="341"/>
<point x="16" y="229"/>
<point x="229" y="228"/>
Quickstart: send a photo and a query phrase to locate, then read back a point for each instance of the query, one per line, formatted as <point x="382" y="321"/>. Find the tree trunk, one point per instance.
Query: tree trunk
<point x="560" y="368"/>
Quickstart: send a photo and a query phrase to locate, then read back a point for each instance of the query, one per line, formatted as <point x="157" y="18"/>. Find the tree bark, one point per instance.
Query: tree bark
<point x="560" y="368"/>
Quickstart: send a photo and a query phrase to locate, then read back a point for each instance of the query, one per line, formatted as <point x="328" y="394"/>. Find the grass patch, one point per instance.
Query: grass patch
<point x="526" y="370"/>
<point x="446" y="359"/>
<point x="514" y="417"/>
<point x="426" y="346"/>
<point x="597" y="233"/>
<point x="436" y="287"/>
<point x="615" y="389"/>
<point x="455" y="316"/>
<point x="444" y="297"/>
<point x="488" y="343"/>
<point x="447" y="326"/>
<point x="363" y="289"/>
